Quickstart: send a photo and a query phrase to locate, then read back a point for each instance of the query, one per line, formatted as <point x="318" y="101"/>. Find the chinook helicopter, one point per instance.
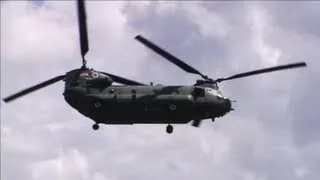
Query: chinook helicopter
<point x="93" y="94"/>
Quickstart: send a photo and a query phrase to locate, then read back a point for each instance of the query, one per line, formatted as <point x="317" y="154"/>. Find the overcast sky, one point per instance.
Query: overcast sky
<point x="273" y="134"/>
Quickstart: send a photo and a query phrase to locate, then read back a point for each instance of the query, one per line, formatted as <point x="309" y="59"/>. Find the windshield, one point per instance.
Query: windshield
<point x="211" y="85"/>
<point x="214" y="92"/>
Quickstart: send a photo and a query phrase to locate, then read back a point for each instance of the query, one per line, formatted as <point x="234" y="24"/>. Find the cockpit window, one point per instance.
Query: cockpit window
<point x="214" y="92"/>
<point x="213" y="86"/>
<point x="199" y="92"/>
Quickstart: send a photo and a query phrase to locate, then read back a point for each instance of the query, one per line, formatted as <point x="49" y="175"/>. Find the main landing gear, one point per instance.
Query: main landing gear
<point x="95" y="126"/>
<point x="169" y="129"/>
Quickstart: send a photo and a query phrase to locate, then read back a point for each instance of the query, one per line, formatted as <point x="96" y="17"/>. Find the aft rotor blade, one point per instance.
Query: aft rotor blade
<point x="82" y="21"/>
<point x="168" y="56"/>
<point x="266" y="70"/>
<point x="33" y="88"/>
<point x="122" y="80"/>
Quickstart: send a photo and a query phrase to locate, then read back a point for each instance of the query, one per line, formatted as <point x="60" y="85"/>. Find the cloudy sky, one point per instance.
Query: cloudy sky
<point x="273" y="134"/>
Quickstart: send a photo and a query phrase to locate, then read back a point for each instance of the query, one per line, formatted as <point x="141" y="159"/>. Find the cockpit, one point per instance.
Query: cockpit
<point x="211" y="88"/>
<point x="214" y="92"/>
<point x="211" y="85"/>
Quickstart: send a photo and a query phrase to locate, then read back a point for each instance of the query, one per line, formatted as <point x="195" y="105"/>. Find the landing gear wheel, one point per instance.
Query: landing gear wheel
<point x="169" y="129"/>
<point x="95" y="126"/>
<point x="212" y="119"/>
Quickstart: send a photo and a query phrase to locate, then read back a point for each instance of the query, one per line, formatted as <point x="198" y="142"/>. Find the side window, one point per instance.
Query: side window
<point x="199" y="92"/>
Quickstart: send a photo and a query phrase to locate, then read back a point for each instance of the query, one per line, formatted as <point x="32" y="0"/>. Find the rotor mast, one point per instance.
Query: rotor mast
<point x="83" y="33"/>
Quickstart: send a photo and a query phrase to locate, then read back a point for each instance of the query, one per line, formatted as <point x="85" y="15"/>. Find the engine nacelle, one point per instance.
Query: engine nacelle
<point x="100" y="80"/>
<point x="96" y="79"/>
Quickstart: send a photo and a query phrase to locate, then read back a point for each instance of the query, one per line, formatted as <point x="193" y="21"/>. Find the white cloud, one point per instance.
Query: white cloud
<point x="301" y="172"/>
<point x="261" y="28"/>
<point x="70" y="165"/>
<point x="42" y="137"/>
<point x="30" y="29"/>
<point x="211" y="24"/>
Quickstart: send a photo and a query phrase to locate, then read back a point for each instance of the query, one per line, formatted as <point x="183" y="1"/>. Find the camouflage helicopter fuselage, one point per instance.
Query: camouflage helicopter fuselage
<point x="93" y="96"/>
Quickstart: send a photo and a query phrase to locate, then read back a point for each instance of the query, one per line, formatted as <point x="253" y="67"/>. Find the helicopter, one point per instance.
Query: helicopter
<point x="93" y="94"/>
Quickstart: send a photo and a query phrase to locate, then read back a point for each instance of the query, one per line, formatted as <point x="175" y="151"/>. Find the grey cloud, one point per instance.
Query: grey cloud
<point x="298" y="34"/>
<point x="300" y="17"/>
<point x="257" y="141"/>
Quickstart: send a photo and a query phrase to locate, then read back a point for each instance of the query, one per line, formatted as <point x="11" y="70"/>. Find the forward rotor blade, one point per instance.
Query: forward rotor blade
<point x="122" y="80"/>
<point x="266" y="70"/>
<point x="82" y="21"/>
<point x="168" y="56"/>
<point x="33" y="88"/>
